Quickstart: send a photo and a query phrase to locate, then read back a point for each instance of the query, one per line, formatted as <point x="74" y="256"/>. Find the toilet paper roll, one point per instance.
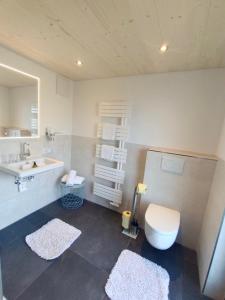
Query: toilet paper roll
<point x="126" y="219"/>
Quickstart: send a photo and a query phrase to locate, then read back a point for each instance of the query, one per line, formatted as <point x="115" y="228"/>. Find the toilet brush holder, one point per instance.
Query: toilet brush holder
<point x="129" y="228"/>
<point x="133" y="229"/>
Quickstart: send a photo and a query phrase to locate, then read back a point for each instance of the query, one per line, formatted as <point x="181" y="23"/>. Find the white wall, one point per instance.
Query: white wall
<point x="211" y="224"/>
<point x="182" y="110"/>
<point x="215" y="286"/>
<point x="221" y="146"/>
<point x="4" y="106"/>
<point x="56" y="112"/>
<point x="210" y="228"/>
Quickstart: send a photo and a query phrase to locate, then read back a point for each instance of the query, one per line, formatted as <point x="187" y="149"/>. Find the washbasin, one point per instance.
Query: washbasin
<point x="31" y="167"/>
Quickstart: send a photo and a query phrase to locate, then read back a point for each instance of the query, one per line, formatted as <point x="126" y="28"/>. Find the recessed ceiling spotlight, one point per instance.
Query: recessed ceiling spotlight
<point x="79" y="63"/>
<point x="163" y="48"/>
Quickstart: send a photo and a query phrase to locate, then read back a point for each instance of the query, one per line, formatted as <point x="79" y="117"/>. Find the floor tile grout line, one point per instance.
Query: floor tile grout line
<point x="20" y="294"/>
<point x="93" y="265"/>
<point x="51" y="264"/>
<point x="108" y="272"/>
<point x="27" y="287"/>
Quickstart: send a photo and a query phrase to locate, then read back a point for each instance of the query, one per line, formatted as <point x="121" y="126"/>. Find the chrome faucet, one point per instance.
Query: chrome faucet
<point x="25" y="151"/>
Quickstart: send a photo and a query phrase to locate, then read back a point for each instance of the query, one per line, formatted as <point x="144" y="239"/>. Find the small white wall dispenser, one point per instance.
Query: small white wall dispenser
<point x="51" y="133"/>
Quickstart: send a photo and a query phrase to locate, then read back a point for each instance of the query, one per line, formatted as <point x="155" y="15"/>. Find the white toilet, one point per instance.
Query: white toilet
<point x="161" y="226"/>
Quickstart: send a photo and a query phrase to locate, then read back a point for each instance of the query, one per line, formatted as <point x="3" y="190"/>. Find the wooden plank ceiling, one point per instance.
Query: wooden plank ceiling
<point x="115" y="37"/>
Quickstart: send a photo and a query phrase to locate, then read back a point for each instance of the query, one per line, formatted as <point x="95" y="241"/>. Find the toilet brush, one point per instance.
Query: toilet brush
<point x="133" y="229"/>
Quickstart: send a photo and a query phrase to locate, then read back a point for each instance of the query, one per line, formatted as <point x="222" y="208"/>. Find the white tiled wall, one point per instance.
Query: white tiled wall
<point x="45" y="187"/>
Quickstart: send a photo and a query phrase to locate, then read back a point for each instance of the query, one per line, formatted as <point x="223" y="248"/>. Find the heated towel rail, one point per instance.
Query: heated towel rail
<point x="112" y="131"/>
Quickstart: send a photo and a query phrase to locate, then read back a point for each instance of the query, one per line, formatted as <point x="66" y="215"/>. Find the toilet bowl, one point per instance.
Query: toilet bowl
<point x="161" y="226"/>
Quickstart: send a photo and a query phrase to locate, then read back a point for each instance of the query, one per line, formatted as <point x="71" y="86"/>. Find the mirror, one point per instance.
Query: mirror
<point x="19" y="103"/>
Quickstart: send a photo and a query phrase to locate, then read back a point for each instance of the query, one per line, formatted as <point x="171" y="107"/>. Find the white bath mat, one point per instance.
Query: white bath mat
<point x="52" y="239"/>
<point x="136" y="278"/>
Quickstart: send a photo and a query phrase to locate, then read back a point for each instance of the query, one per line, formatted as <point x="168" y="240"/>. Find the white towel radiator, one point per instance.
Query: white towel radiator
<point x="117" y="114"/>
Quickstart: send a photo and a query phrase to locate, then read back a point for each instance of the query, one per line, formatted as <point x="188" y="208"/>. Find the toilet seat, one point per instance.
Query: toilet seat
<point x="163" y="220"/>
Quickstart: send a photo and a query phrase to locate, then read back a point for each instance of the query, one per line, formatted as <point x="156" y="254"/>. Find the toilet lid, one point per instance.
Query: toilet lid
<point x="162" y="219"/>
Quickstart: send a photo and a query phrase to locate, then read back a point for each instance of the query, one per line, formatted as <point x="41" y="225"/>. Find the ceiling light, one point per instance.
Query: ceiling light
<point x="163" y="48"/>
<point x="79" y="63"/>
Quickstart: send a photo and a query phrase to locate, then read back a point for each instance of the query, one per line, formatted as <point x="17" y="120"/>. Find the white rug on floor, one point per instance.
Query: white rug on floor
<point x="52" y="239"/>
<point x="136" y="278"/>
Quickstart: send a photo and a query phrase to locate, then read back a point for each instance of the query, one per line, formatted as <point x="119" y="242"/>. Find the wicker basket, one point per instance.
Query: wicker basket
<point x="73" y="196"/>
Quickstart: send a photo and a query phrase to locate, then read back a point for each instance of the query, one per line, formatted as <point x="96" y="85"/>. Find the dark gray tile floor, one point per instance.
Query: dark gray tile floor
<point x="82" y="271"/>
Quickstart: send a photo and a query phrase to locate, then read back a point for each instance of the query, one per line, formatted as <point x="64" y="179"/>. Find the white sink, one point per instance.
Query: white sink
<point x="31" y="167"/>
